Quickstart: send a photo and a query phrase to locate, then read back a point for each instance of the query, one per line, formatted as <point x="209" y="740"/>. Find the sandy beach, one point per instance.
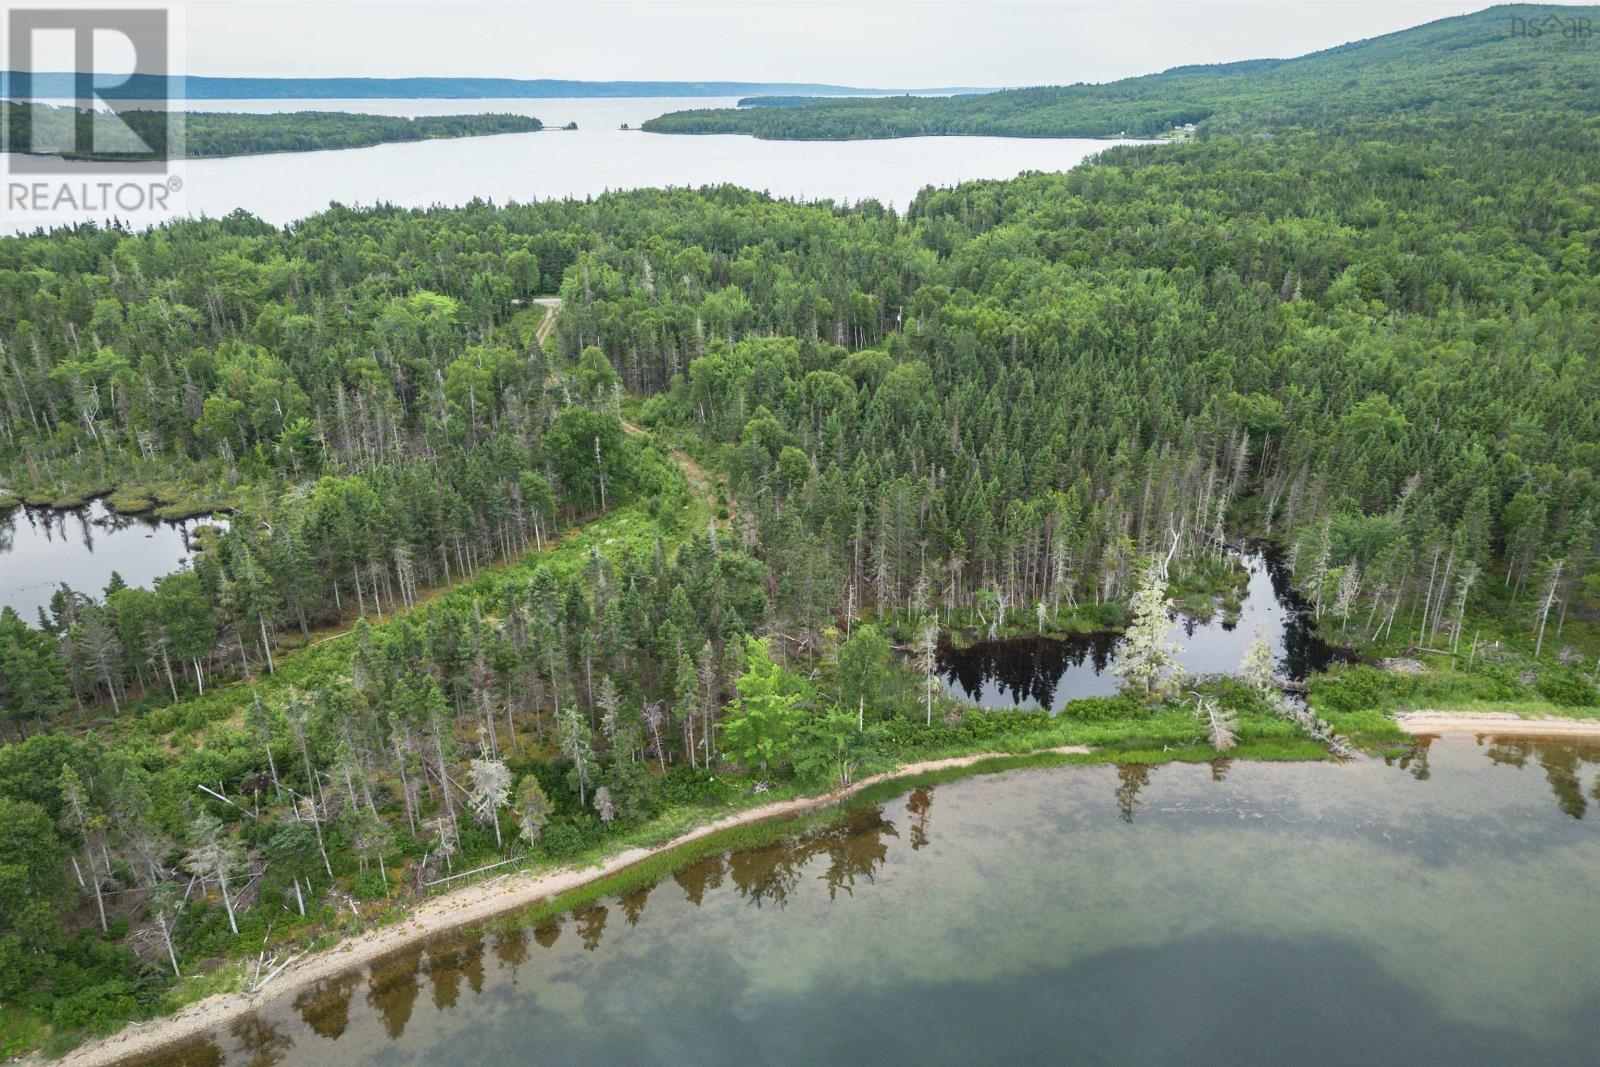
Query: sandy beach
<point x="1502" y="723"/>
<point x="461" y="907"/>
<point x="486" y="900"/>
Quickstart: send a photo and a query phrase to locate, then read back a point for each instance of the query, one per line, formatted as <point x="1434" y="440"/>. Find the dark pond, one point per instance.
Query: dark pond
<point x="1046" y="672"/>
<point x="1440" y="908"/>
<point x="42" y="547"/>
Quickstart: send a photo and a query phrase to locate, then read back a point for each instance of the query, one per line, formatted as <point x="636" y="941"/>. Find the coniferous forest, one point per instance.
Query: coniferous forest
<point x="503" y="578"/>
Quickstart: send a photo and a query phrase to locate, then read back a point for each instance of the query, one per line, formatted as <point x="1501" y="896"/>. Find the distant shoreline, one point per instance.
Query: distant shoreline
<point x="301" y="151"/>
<point x="236" y="134"/>
<point x="206" y="87"/>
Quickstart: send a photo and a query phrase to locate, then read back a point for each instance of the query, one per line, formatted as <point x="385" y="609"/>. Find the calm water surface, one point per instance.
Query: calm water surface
<point x="1047" y="672"/>
<point x="597" y="157"/>
<point x="42" y="547"/>
<point x="1442" y="908"/>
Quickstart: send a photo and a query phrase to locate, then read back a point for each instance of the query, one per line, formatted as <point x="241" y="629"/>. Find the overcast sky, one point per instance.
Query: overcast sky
<point x="880" y="43"/>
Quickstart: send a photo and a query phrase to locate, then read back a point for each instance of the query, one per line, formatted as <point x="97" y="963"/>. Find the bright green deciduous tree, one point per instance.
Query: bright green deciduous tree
<point x="863" y="670"/>
<point x="759" y="729"/>
<point x="831" y="748"/>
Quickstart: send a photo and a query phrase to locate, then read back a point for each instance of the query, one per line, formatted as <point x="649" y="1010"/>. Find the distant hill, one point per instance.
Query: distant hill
<point x="59" y="85"/>
<point x="1502" y="57"/>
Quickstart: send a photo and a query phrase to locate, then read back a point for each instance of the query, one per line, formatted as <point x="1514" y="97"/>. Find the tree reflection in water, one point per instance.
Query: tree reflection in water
<point x="592" y="925"/>
<point x="1561" y="771"/>
<point x="511" y="949"/>
<point x="450" y="960"/>
<point x="547" y="932"/>
<point x="325" y="1007"/>
<point x="765" y="875"/>
<point x="392" y="989"/>
<point x="1025" y="668"/>
<point x="633" y="905"/>
<point x="850" y="850"/>
<point x="855" y="849"/>
<point x="263" y="1042"/>
<point x="1415" y="759"/>
<point x="919" y="805"/>
<point x="1047" y="672"/>
<point x="1562" y="762"/>
<point x="1131" y="778"/>
<point x="696" y="878"/>
<point x="854" y="846"/>
<point x="1562" y="765"/>
<point x="199" y="1052"/>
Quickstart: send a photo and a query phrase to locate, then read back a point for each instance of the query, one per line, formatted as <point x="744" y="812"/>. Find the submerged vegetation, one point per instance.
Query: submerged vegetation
<point x="502" y="582"/>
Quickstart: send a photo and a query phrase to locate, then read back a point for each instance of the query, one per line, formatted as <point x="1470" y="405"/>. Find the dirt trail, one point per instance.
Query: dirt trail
<point x="701" y="482"/>
<point x="462" y="907"/>
<point x="547" y="325"/>
<point x="1502" y="723"/>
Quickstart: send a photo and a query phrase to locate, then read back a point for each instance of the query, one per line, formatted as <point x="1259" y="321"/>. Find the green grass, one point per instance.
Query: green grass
<point x="21" y="1029"/>
<point x="1360" y="701"/>
<point x="130" y="500"/>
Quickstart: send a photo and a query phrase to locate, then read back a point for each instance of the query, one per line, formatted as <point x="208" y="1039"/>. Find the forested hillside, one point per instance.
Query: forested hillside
<point x="221" y="133"/>
<point x="1508" y="57"/>
<point x="485" y="596"/>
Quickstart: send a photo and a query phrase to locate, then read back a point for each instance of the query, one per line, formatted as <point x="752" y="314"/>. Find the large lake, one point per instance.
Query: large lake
<point x="1438" y="909"/>
<point x="597" y="157"/>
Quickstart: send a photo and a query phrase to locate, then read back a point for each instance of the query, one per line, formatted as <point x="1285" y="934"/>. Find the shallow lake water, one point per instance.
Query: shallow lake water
<point x="598" y="156"/>
<point x="1046" y="672"/>
<point x="1441" y="908"/>
<point x="42" y="547"/>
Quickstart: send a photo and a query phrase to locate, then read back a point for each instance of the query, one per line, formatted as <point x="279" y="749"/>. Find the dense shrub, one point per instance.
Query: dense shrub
<point x="1357" y="688"/>
<point x="572" y="834"/>
<point x="1568" y="688"/>
<point x="1105" y="709"/>
<point x="97" y="1007"/>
